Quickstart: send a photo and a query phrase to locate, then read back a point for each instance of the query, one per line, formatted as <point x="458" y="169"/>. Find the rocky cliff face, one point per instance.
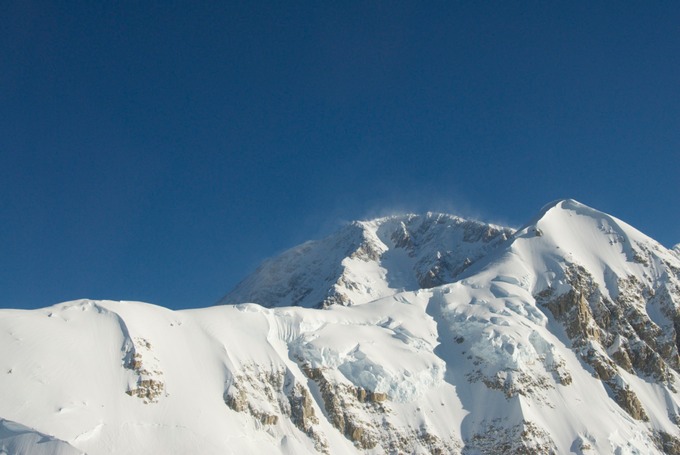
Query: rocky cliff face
<point x="425" y="335"/>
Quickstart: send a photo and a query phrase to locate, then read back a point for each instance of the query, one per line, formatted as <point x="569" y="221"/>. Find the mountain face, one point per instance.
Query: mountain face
<point x="413" y="334"/>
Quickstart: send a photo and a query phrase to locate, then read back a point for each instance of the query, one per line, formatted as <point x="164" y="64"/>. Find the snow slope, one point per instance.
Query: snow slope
<point x="438" y="335"/>
<point x="18" y="439"/>
<point x="127" y="377"/>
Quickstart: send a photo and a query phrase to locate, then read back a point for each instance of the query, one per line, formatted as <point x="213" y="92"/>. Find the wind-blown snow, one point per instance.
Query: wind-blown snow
<point x="368" y="260"/>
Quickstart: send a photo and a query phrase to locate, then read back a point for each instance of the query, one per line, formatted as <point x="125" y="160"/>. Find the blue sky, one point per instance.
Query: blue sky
<point x="158" y="151"/>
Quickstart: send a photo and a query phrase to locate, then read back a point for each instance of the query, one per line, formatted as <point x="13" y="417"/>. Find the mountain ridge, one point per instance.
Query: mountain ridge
<point x="360" y="245"/>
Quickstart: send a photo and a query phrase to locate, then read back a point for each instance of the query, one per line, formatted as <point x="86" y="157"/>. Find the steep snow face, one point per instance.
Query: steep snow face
<point x="438" y="335"/>
<point x="577" y="308"/>
<point x="369" y="260"/>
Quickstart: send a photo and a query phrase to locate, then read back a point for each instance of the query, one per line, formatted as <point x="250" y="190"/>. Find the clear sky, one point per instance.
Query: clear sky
<point x="159" y="151"/>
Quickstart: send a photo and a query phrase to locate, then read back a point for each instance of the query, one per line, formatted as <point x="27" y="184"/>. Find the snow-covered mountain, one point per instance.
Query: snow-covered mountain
<point x="411" y="334"/>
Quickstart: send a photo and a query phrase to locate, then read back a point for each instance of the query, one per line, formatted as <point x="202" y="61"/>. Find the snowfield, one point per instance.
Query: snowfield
<point x="410" y="334"/>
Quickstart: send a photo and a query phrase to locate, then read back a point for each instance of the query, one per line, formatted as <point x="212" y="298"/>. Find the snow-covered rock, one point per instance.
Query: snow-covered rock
<point x="412" y="334"/>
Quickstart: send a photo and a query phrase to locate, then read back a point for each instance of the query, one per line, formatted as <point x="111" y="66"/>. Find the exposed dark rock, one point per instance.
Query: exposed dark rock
<point x="526" y="438"/>
<point x="668" y="443"/>
<point x="609" y="336"/>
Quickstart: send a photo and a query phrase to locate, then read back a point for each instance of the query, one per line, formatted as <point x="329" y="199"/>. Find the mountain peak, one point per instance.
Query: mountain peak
<point x="564" y="203"/>
<point x="370" y="259"/>
<point x="563" y="207"/>
<point x="567" y="232"/>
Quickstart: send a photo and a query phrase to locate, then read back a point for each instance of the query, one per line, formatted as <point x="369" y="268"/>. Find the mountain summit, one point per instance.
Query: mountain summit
<point x="368" y="260"/>
<point x="421" y="334"/>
